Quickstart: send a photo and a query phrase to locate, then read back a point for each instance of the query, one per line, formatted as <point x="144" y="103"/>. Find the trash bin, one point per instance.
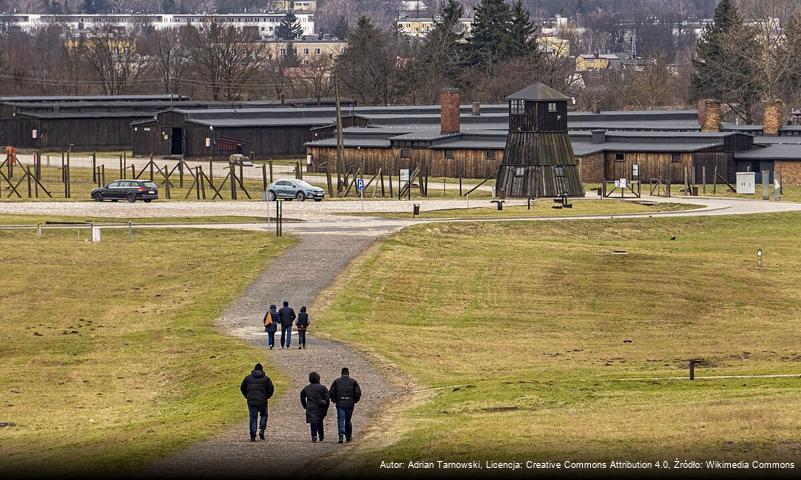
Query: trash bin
<point x="416" y="210"/>
<point x="694" y="191"/>
<point x="498" y="204"/>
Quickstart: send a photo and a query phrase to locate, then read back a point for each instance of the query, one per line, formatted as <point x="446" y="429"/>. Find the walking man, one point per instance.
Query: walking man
<point x="286" y="316"/>
<point x="302" y="324"/>
<point x="271" y="325"/>
<point x="257" y="388"/>
<point x="345" y="393"/>
<point x="315" y="400"/>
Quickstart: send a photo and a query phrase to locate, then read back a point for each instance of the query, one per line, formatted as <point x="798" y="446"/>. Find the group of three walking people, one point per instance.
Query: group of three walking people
<point x="285" y="317"/>
<point x="315" y="398"/>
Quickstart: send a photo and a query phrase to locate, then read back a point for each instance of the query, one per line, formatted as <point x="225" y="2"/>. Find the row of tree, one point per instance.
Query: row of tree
<point x="218" y="62"/>
<point x="744" y="63"/>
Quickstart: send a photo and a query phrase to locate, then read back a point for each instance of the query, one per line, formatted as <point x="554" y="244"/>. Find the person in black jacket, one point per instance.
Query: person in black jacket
<point x="257" y="388"/>
<point x="315" y="400"/>
<point x="286" y="316"/>
<point x="302" y="323"/>
<point x="345" y="393"/>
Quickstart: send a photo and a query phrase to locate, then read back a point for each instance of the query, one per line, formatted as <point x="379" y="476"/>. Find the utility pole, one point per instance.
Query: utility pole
<point x="340" y="138"/>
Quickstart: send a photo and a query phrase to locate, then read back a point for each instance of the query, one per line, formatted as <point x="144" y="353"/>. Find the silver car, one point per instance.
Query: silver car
<point x="294" y="189"/>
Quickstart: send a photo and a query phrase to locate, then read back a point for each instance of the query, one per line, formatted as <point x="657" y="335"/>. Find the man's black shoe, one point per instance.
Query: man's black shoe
<point x="261" y="434"/>
<point x="252" y="437"/>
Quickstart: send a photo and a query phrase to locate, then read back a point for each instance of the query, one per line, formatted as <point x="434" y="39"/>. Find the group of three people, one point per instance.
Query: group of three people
<point x="257" y="388"/>
<point x="285" y="317"/>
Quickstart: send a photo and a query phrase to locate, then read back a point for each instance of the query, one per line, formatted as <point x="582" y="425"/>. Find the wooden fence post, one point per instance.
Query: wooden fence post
<point x="122" y="169"/>
<point x="703" y="177"/>
<point x="94" y="168"/>
<point x="232" y="173"/>
<point x="715" y="180"/>
<point x="264" y="177"/>
<point x="151" y="168"/>
<point x="271" y="171"/>
<point x="197" y="181"/>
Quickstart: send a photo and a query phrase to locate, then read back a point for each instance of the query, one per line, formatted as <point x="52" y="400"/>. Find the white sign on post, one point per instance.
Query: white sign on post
<point x="308" y="159"/>
<point x="360" y="184"/>
<point x="95" y="234"/>
<point x="34" y="134"/>
<point x="622" y="183"/>
<point x="635" y="170"/>
<point x="404" y="175"/>
<point x="208" y="142"/>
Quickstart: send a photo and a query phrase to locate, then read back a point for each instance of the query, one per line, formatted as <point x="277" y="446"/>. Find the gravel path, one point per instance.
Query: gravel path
<point x="297" y="276"/>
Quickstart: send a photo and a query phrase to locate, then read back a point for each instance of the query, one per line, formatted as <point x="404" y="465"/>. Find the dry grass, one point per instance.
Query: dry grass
<point x="530" y="329"/>
<point x="545" y="208"/>
<point x="111" y="357"/>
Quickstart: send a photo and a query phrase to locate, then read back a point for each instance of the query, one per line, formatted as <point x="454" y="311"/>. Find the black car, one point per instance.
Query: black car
<point x="130" y="190"/>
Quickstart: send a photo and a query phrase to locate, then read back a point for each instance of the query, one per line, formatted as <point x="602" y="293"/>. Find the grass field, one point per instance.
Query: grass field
<point x="110" y="357"/>
<point x="6" y="219"/>
<point x="544" y="208"/>
<point x="528" y="339"/>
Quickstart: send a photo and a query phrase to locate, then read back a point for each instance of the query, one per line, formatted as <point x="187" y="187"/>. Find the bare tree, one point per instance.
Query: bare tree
<point x="773" y="63"/>
<point x="313" y="79"/>
<point x="225" y="58"/>
<point x="168" y="57"/>
<point x="651" y="87"/>
<point x="278" y="74"/>
<point x="114" y="60"/>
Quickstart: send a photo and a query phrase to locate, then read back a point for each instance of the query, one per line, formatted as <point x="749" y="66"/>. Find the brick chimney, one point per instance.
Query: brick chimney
<point x="449" y="111"/>
<point x="772" y="117"/>
<point x="709" y="115"/>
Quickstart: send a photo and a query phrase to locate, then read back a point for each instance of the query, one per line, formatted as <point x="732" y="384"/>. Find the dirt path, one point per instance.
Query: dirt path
<point x="297" y="276"/>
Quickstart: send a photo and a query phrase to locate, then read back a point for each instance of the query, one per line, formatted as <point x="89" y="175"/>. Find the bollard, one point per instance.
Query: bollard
<point x="692" y="369"/>
<point x="415" y="210"/>
<point x="130" y="232"/>
<point x="38" y="230"/>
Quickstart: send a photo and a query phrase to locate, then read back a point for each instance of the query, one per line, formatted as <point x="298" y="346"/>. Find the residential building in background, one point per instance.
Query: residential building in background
<point x="308" y="50"/>
<point x="298" y="6"/>
<point x="418" y="27"/>
<point x="89" y="25"/>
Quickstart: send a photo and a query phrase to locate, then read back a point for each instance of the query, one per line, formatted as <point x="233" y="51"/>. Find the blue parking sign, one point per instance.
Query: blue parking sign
<point x="360" y="184"/>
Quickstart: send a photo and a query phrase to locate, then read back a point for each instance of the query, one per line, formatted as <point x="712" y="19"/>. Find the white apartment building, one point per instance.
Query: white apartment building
<point x="82" y="24"/>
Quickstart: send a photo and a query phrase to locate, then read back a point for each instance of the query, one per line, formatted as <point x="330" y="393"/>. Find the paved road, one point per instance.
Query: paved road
<point x="297" y="276"/>
<point x="332" y="216"/>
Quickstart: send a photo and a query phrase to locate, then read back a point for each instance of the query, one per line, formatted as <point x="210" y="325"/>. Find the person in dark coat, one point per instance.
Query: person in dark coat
<point x="345" y="393"/>
<point x="302" y="323"/>
<point x="286" y="316"/>
<point x="257" y="388"/>
<point x="271" y="325"/>
<point x="315" y="400"/>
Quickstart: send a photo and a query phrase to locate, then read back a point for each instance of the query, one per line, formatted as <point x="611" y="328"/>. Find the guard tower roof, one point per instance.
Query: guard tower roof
<point x="538" y="92"/>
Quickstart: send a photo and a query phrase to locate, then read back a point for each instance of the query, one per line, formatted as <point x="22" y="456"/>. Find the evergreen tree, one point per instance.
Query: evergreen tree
<point x="442" y="44"/>
<point x="368" y="69"/>
<point x="521" y="31"/>
<point x="491" y="37"/>
<point x="289" y="28"/>
<point x="341" y="28"/>
<point x="169" y="6"/>
<point x="720" y="71"/>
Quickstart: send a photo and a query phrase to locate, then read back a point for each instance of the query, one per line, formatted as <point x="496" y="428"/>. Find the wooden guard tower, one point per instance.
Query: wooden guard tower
<point x="538" y="160"/>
